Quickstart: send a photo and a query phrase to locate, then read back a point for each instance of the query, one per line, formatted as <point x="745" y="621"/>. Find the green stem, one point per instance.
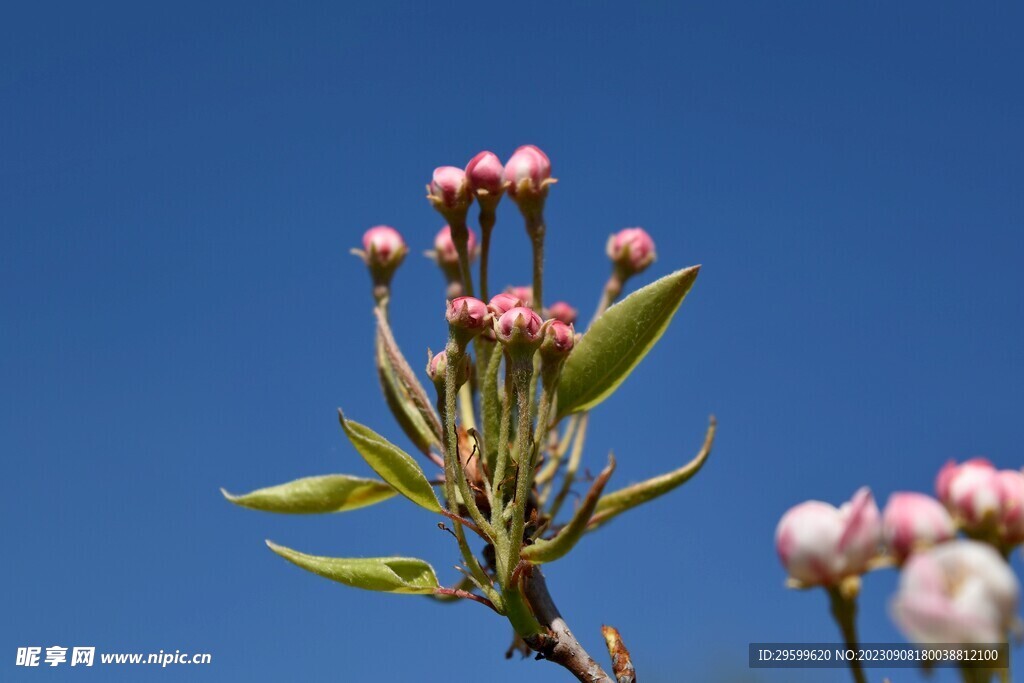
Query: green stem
<point x="452" y="469"/>
<point x="522" y="371"/>
<point x="612" y="290"/>
<point x="455" y="475"/>
<point x="535" y="228"/>
<point x="460" y="236"/>
<point x="487" y="220"/>
<point x="572" y="467"/>
<point x="844" y="611"/>
<point x="519" y="613"/>
<point x="561" y="447"/>
<point x="489" y="404"/>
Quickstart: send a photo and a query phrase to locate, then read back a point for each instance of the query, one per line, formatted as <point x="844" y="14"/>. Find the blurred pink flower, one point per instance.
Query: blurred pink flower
<point x="820" y="544"/>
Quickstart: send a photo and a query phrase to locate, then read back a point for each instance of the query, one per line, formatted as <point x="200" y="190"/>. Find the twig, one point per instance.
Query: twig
<point x="622" y="663"/>
<point x="466" y="595"/>
<point x="560" y="646"/>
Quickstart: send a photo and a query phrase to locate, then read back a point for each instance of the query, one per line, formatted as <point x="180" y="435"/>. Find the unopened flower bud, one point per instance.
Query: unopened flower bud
<point x="524" y="293"/>
<point x="528" y="173"/>
<point x="438" y="367"/>
<point x="467" y="317"/>
<point x="987" y="503"/>
<point x="383" y="251"/>
<point x="559" y="339"/>
<point x="384" y="247"/>
<point x="519" y="327"/>
<point x="913" y="522"/>
<point x="449" y="192"/>
<point x="958" y="592"/>
<point x="445" y="253"/>
<point x="486" y="175"/>
<point x="631" y="250"/>
<point x="820" y="544"/>
<point x="563" y="311"/>
<point x="504" y="302"/>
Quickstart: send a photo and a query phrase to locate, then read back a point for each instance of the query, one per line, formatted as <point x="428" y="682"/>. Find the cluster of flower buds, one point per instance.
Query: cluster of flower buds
<point x="988" y="504"/>
<point x="951" y="590"/>
<point x="526" y="175"/>
<point x="631" y="250"/>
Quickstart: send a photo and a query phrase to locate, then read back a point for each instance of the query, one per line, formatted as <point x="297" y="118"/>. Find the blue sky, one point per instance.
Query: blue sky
<point x="180" y="184"/>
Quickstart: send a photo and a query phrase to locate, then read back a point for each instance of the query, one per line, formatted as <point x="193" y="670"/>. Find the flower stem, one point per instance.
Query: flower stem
<point x="572" y="467"/>
<point x="487" y="220"/>
<point x="612" y="290"/>
<point x="453" y="471"/>
<point x="844" y="611"/>
<point x="535" y="228"/>
<point x="460" y="236"/>
<point x="522" y="371"/>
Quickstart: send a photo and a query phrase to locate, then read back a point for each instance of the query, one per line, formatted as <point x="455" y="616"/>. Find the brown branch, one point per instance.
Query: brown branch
<point x="559" y="645"/>
<point x="622" y="663"/>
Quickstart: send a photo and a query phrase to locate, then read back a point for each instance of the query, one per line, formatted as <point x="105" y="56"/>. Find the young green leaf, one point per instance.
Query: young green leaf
<point x="389" y="574"/>
<point x="401" y="404"/>
<point x="394" y="465"/>
<point x="617" y="502"/>
<point x="564" y="541"/>
<point x="310" y="495"/>
<point x="618" y="341"/>
<point x="410" y="387"/>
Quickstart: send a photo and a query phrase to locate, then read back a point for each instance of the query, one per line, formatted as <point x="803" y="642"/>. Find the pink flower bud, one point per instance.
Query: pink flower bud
<point x="957" y="592"/>
<point x="467" y="314"/>
<point x="485" y="172"/>
<point x="559" y="339"/>
<point x="523" y="293"/>
<point x="563" y="311"/>
<point x="444" y="247"/>
<point x="449" y="189"/>
<point x="438" y="367"/>
<point x="987" y="503"/>
<point x="504" y="302"/>
<point x="528" y="172"/>
<point x="913" y="521"/>
<point x="384" y="246"/>
<point x="821" y="545"/>
<point x="1011" y="503"/>
<point x="519" y="326"/>
<point x="971" y="492"/>
<point x="632" y="250"/>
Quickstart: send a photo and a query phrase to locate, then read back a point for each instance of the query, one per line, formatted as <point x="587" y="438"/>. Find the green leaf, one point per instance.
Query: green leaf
<point x="564" y="541"/>
<point x="394" y="465"/>
<point x="389" y="574"/>
<point x="400" y="404"/>
<point x="617" y="502"/>
<point x="403" y="392"/>
<point x="309" y="495"/>
<point x="618" y="341"/>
